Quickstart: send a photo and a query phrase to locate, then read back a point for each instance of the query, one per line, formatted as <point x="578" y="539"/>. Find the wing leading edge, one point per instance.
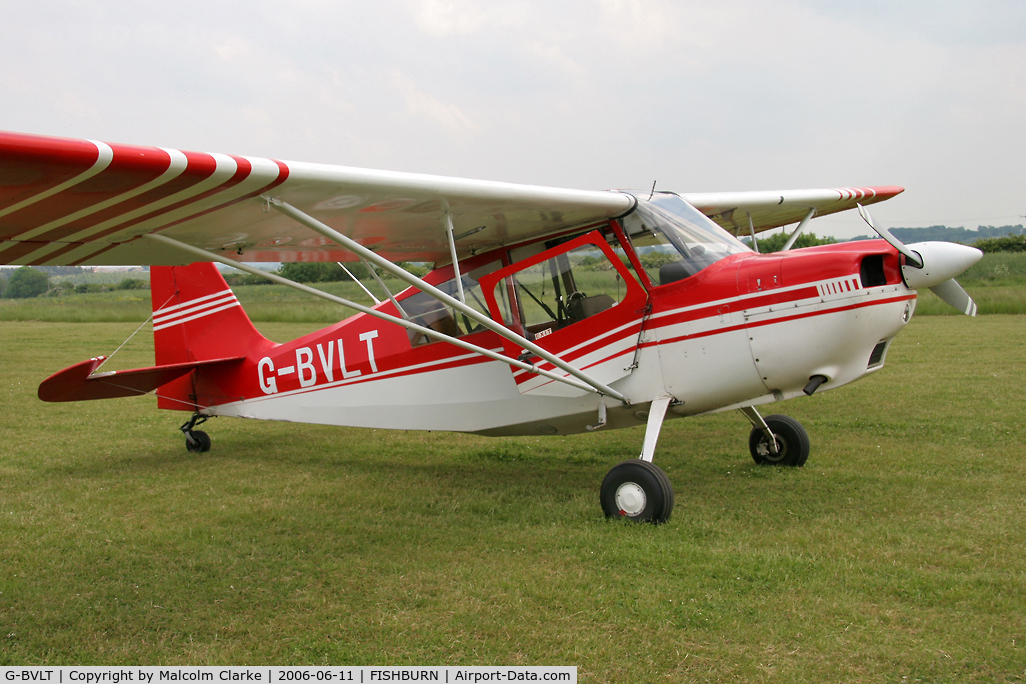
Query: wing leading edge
<point x="731" y="210"/>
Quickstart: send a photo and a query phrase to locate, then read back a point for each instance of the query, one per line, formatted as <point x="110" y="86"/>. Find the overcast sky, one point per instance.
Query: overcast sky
<point x="699" y="96"/>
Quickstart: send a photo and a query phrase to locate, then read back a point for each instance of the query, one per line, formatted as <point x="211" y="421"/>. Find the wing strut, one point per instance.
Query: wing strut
<point x="798" y="231"/>
<point x="455" y="261"/>
<point x="407" y="277"/>
<point x="205" y="255"/>
<point x="381" y="284"/>
<point x="355" y="280"/>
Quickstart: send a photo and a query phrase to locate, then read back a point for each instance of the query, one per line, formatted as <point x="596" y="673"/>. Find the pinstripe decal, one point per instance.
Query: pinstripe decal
<point x="194" y="309"/>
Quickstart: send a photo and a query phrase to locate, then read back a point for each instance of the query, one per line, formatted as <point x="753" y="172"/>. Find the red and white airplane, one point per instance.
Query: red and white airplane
<point x="548" y="311"/>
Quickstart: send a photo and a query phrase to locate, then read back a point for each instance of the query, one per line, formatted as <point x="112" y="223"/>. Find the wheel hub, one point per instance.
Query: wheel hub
<point x="630" y="499"/>
<point x="765" y="452"/>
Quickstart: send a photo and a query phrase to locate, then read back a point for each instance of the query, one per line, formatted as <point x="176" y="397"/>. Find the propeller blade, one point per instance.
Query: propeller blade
<point x="912" y="257"/>
<point x="952" y="293"/>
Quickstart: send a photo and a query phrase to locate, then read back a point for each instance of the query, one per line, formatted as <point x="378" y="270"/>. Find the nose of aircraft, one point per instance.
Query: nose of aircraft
<point x="941" y="261"/>
<point x="934" y="265"/>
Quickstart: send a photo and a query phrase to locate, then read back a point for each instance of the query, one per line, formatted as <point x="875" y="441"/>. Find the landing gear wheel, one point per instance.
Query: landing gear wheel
<point x="196" y="441"/>
<point x="792" y="443"/>
<point x="638" y="491"/>
<point x="199" y="442"/>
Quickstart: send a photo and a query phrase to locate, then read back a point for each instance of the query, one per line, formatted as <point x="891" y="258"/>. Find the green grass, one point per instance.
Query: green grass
<point x="897" y="554"/>
<point x="997" y="283"/>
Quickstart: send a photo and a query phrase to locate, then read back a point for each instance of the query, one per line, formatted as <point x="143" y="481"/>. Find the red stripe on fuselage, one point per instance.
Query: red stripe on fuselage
<point x="782" y="319"/>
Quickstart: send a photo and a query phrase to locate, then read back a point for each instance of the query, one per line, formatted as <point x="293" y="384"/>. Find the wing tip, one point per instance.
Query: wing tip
<point x="879" y="193"/>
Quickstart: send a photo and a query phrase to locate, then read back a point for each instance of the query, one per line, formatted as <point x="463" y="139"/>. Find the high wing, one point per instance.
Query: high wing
<point x="731" y="210"/>
<point x="83" y="202"/>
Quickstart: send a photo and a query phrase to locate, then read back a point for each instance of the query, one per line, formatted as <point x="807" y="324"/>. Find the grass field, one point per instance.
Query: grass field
<point x="897" y="554"/>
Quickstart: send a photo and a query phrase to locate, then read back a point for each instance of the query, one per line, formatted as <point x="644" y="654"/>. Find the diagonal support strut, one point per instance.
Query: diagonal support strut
<point x="407" y="277"/>
<point x="210" y="256"/>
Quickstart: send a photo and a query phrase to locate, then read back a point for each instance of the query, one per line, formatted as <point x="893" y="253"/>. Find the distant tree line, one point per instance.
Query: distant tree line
<point x="984" y="238"/>
<point x="26" y="282"/>
<point x="320" y="272"/>
<point x="1009" y="243"/>
<point x="946" y="234"/>
<point x="34" y="281"/>
<point x="776" y="241"/>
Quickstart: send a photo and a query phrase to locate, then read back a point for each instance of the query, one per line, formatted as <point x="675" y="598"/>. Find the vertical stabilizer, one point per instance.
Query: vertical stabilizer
<point x="196" y="317"/>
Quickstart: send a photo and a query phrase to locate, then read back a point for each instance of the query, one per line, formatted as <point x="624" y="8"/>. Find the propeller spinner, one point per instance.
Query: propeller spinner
<point x="933" y="265"/>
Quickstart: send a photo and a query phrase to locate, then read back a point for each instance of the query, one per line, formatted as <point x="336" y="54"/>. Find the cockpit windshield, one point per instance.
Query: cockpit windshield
<point x="674" y="240"/>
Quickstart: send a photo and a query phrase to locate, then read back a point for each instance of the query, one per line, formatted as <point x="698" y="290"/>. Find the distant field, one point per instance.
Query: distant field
<point x="897" y="554"/>
<point x="997" y="283"/>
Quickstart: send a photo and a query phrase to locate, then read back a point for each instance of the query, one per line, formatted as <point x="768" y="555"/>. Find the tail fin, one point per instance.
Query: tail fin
<point x="196" y="317"/>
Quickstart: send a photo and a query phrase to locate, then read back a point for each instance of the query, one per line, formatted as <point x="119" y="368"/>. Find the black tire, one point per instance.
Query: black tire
<point x="792" y="442"/>
<point x="638" y="491"/>
<point x="200" y="442"/>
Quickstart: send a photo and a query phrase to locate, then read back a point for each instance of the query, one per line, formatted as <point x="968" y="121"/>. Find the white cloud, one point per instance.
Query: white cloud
<point x="452" y="17"/>
<point x="424" y="106"/>
<point x="701" y="95"/>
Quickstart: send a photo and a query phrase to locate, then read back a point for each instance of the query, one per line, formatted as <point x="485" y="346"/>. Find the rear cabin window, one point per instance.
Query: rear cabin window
<point x="425" y="310"/>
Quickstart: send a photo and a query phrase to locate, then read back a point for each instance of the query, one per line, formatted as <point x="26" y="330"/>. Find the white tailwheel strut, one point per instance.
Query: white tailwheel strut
<point x="638" y="490"/>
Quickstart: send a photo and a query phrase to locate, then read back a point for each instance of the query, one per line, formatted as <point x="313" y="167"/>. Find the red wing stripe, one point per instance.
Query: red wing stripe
<point x="243" y="167"/>
<point x="102" y="154"/>
<point x="203" y="173"/>
<point x="200" y="172"/>
<point x="16" y="250"/>
<point x="65" y="225"/>
<point x="283" y="174"/>
<point x="93" y="255"/>
<point x="129" y="173"/>
<point x="64" y="249"/>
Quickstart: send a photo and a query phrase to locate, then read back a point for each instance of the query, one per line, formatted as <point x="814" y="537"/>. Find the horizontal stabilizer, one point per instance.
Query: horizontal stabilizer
<point x="77" y="383"/>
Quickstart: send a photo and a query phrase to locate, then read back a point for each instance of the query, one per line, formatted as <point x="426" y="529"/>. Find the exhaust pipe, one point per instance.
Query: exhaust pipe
<point x="814" y="382"/>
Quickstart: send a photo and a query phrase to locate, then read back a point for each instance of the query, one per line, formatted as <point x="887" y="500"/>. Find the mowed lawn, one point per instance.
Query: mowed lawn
<point x="897" y="554"/>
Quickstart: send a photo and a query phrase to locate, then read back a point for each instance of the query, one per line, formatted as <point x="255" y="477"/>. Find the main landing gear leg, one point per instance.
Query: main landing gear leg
<point x="196" y="440"/>
<point x="777" y="440"/>
<point x="639" y="490"/>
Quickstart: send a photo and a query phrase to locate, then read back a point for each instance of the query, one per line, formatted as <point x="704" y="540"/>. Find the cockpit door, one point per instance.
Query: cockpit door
<point x="577" y="300"/>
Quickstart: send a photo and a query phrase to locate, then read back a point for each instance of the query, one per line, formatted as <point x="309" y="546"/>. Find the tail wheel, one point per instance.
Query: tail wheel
<point x="197" y="441"/>
<point x="792" y="443"/>
<point x="639" y="491"/>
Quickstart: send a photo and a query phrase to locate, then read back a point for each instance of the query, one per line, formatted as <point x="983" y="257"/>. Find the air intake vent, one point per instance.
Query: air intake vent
<point x="876" y="358"/>
<point x="872" y="272"/>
